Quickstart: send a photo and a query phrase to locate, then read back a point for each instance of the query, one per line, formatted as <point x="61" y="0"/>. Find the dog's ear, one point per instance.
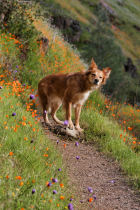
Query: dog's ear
<point x="92" y="65"/>
<point x="107" y="72"/>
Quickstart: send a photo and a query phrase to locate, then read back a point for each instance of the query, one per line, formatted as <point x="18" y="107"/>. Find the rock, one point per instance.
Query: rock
<point x="130" y="67"/>
<point x="68" y="24"/>
<point x="136" y="27"/>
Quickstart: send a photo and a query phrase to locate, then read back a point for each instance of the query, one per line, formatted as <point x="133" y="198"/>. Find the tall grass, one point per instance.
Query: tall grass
<point x="27" y="158"/>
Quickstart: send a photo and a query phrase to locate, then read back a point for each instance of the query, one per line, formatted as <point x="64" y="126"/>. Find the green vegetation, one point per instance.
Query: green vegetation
<point x="27" y="158"/>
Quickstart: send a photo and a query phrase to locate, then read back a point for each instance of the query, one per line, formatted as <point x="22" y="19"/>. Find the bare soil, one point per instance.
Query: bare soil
<point x="111" y="189"/>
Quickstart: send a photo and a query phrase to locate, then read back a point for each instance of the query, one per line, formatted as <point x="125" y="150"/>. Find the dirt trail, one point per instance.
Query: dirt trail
<point x="95" y="170"/>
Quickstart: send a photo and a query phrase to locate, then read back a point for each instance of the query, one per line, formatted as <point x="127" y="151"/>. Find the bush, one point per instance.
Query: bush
<point x="16" y="18"/>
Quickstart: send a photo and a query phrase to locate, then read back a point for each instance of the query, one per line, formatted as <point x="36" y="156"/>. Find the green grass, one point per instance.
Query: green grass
<point x="27" y="160"/>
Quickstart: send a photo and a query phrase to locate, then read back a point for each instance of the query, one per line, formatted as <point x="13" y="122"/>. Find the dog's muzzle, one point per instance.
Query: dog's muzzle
<point x="96" y="81"/>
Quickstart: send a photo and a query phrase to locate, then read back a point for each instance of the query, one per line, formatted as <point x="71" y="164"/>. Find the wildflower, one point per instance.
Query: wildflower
<point x="57" y="141"/>
<point x="94" y="196"/>
<point x="66" y="122"/>
<point x="13" y="114"/>
<point x="54" y="180"/>
<point x="49" y="184"/>
<point x="90" y="200"/>
<point x="77" y="157"/>
<point x="0" y="87"/>
<point x="59" y="169"/>
<point x="11" y="153"/>
<point x="64" y="145"/>
<point x="70" y="206"/>
<point x="62" y="197"/>
<point x="45" y="155"/>
<point x="130" y="129"/>
<point x="61" y="185"/>
<point x="90" y="189"/>
<point x="18" y="177"/>
<point x="54" y="192"/>
<point x="21" y="184"/>
<point x="33" y="191"/>
<point x="76" y="144"/>
<point x="32" y="96"/>
<point x="7" y="177"/>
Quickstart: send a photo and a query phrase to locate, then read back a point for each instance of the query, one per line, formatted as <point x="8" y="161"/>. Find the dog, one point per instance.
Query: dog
<point x="71" y="89"/>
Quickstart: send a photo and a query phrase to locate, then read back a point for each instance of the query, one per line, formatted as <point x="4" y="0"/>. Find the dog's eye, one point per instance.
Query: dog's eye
<point x="100" y="77"/>
<point x="94" y="75"/>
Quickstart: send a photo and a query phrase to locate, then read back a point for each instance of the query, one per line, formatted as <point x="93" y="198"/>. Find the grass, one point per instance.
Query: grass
<point x="27" y="158"/>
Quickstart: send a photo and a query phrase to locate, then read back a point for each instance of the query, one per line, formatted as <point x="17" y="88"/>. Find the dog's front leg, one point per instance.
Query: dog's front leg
<point x="77" y="117"/>
<point x="68" y="115"/>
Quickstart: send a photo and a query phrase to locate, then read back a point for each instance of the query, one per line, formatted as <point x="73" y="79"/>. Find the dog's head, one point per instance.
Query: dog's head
<point x="97" y="77"/>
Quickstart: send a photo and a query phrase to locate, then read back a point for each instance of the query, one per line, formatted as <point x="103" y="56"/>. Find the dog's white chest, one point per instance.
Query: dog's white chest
<point x="83" y="97"/>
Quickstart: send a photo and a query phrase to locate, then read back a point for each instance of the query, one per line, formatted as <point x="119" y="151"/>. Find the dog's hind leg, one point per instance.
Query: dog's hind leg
<point x="45" y="107"/>
<point x="54" y="108"/>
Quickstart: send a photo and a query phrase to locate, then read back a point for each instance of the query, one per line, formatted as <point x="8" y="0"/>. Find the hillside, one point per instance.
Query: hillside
<point x="108" y="31"/>
<point x="33" y="174"/>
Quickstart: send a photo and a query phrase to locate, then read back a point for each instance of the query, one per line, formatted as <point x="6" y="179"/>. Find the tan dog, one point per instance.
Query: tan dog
<point x="70" y="90"/>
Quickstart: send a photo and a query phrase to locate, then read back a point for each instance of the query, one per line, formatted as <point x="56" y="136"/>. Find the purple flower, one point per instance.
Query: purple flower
<point x="66" y="122"/>
<point x="71" y="199"/>
<point x="45" y="111"/>
<point x="54" y="180"/>
<point x="54" y="192"/>
<point x="94" y="196"/>
<point x="15" y="71"/>
<point x="33" y="191"/>
<point x="13" y="114"/>
<point x="49" y="184"/>
<point x="17" y="66"/>
<point x="0" y="87"/>
<point x="112" y="181"/>
<point x="70" y="206"/>
<point x="90" y="189"/>
<point x="76" y="144"/>
<point x="77" y="157"/>
<point x="32" y="96"/>
<point x="59" y="169"/>
<point x="57" y="141"/>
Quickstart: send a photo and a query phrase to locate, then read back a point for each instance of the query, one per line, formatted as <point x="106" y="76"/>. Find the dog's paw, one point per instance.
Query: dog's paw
<point x="70" y="125"/>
